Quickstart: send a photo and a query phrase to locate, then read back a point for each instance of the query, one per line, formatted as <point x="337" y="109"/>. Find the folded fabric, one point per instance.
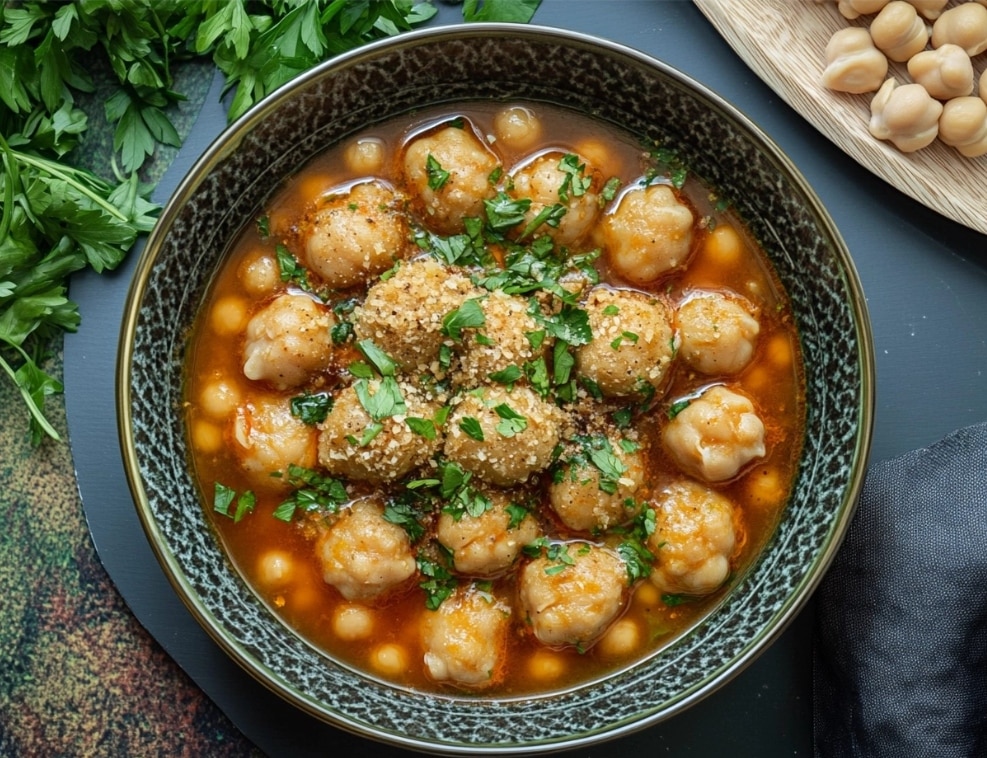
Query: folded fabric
<point x="901" y="632"/>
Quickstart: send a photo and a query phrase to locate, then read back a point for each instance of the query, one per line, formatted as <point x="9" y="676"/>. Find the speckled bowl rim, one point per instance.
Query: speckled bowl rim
<point x="169" y="555"/>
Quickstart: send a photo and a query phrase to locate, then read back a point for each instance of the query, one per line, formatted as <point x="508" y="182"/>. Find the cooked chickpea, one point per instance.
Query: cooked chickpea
<point x="275" y="568"/>
<point x="517" y="127"/>
<point x="779" y="351"/>
<point x="764" y="488"/>
<point x="930" y="9"/>
<point x="364" y="156"/>
<point x="946" y="72"/>
<point x="206" y="437"/>
<point x="963" y="125"/>
<point x="219" y="398"/>
<point x="390" y="659"/>
<point x="621" y="639"/>
<point x="851" y="9"/>
<point x="260" y="274"/>
<point x="229" y="315"/>
<point x="724" y="246"/>
<point x="351" y="621"/>
<point x="546" y="666"/>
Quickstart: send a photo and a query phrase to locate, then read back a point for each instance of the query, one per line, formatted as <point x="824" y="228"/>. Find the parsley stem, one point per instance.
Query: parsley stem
<point x="26" y="393"/>
<point x="56" y="170"/>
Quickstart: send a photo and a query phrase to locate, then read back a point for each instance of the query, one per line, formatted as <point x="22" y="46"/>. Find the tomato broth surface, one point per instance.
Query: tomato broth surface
<point x="494" y="399"/>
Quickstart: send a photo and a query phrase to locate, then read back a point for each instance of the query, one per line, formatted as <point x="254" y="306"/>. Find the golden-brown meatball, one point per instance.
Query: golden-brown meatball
<point x="502" y="436"/>
<point x="354" y="445"/>
<point x="633" y="342"/>
<point x="716" y="435"/>
<point x="403" y="314"/>
<point x="718" y="332"/>
<point x="362" y="554"/>
<point x="288" y="341"/>
<point x="694" y="538"/>
<point x="465" y="638"/>
<point x="355" y="235"/>
<point x="572" y="593"/>
<point x="559" y="179"/>
<point x="447" y="171"/>
<point x="648" y="235"/>
<point x="594" y="489"/>
<point x="268" y="438"/>
<point x="501" y="342"/>
<point x="487" y="544"/>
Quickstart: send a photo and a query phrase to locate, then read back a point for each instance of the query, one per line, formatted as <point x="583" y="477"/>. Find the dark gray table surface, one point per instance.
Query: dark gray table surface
<point x="925" y="278"/>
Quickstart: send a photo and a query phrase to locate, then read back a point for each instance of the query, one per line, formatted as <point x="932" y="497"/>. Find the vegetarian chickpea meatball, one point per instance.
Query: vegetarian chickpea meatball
<point x="448" y="173"/>
<point x="648" y="235"/>
<point x="716" y="435"/>
<point x="594" y="489"/>
<point x="718" y="332"/>
<point x="633" y="342"/>
<point x="694" y="539"/>
<point x="465" y="638"/>
<point x="403" y="314"/>
<point x="502" y="436"/>
<point x="352" y="444"/>
<point x="288" y="341"/>
<point x="501" y="342"/>
<point x="363" y="555"/>
<point x="268" y="438"/>
<point x="572" y="593"/>
<point x="356" y="234"/>
<point x="487" y="544"/>
<point x="564" y="179"/>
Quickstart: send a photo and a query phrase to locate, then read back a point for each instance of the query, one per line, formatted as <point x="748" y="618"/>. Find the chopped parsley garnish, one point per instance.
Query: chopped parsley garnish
<point x="439" y="582"/>
<point x="423" y="427"/>
<point x="312" y="408"/>
<point x="405" y="515"/>
<point x="224" y="497"/>
<point x="291" y="270"/>
<point x="506" y="376"/>
<point x="314" y="492"/>
<point x="471" y="428"/>
<point x="437" y="176"/>
<point x="264" y="226"/>
<point x="677" y="407"/>
<point x="511" y="422"/>
<point x="469" y="315"/>
<point x="575" y="182"/>
<point x="504" y="212"/>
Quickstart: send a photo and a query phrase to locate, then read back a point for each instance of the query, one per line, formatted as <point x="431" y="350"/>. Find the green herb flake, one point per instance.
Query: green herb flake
<point x="471" y="428"/>
<point x="511" y="422"/>
<point x="311" y="409"/>
<point x="436" y="175"/>
<point x="469" y="315"/>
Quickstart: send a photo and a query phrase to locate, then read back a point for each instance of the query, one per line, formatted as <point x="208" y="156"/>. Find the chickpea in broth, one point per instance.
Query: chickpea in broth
<point x="494" y="400"/>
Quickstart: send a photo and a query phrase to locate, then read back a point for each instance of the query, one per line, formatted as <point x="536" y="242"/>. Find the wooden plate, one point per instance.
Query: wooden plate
<point x="784" y="43"/>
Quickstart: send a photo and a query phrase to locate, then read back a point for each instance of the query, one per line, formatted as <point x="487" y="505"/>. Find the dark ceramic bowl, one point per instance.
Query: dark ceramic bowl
<point x="232" y="181"/>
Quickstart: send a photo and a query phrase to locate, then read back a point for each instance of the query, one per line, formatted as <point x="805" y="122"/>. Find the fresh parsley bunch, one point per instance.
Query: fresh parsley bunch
<point x="56" y="217"/>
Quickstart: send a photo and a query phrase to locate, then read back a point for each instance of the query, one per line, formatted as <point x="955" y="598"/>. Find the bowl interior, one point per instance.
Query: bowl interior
<point x="237" y="175"/>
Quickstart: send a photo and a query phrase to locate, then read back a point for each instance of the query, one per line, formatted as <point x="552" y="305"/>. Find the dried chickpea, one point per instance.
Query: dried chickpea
<point x="946" y="72"/>
<point x="965" y="25"/>
<point x="963" y="125"/>
<point x="931" y="9"/>
<point x="853" y="64"/>
<point x="851" y="9"/>
<point x="906" y="115"/>
<point x="898" y="31"/>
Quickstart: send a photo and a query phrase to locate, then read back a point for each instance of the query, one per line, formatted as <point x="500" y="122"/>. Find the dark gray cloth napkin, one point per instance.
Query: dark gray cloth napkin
<point x="901" y="632"/>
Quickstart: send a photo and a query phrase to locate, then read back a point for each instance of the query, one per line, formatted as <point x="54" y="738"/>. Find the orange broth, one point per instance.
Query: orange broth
<point x="724" y="257"/>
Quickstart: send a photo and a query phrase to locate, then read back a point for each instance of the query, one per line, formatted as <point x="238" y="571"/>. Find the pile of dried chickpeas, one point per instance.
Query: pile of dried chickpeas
<point x="938" y="43"/>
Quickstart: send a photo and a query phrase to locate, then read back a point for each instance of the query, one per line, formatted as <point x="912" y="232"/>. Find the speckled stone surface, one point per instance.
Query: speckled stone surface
<point x="78" y="675"/>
